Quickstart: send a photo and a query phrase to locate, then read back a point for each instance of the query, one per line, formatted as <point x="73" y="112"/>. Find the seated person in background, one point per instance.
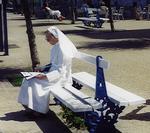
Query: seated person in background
<point x="136" y="12"/>
<point x="56" y="13"/>
<point x="104" y="9"/>
<point x="84" y="9"/>
<point x="35" y="92"/>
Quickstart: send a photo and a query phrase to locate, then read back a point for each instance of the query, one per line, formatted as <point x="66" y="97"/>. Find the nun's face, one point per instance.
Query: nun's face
<point x="51" y="39"/>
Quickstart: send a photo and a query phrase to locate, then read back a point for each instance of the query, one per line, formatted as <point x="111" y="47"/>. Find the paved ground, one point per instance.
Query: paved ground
<point x="127" y="50"/>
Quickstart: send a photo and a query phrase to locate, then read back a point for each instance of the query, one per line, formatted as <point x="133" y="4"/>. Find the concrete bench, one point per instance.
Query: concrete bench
<point x="116" y="94"/>
<point x="75" y="99"/>
<point x="69" y="96"/>
<point x="113" y="98"/>
<point x="96" y="21"/>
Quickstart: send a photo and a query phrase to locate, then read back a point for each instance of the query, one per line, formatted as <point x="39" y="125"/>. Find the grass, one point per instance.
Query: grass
<point x="15" y="79"/>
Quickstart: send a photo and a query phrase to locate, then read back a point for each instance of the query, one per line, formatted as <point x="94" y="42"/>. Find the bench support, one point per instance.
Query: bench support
<point x="109" y="111"/>
<point x="97" y="22"/>
<point x="101" y="92"/>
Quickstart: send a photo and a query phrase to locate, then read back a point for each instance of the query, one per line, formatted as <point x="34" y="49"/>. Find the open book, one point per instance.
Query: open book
<point x="29" y="75"/>
<point x="54" y="75"/>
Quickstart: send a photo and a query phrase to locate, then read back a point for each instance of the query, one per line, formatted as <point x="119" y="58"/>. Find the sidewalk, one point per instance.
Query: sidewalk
<point x="127" y="50"/>
<point x="13" y="118"/>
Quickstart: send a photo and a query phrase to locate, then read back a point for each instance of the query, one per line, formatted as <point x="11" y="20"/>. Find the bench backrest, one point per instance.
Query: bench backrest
<point x="100" y="64"/>
<point x="92" y="60"/>
<point x="116" y="94"/>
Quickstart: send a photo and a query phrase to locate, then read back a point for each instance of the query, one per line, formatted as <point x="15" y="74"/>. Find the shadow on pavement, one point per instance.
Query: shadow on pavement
<point x="83" y="27"/>
<point x="13" y="75"/>
<point x="47" y="124"/>
<point x="4" y="72"/>
<point x="105" y="128"/>
<point x="49" y="24"/>
<point x="19" y="18"/>
<point x="12" y="46"/>
<point x="134" y="115"/>
<point x="107" y="34"/>
<point x="125" y="44"/>
<point x="51" y="123"/>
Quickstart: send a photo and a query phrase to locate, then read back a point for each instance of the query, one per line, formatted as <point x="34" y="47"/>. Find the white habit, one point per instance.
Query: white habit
<point x="35" y="93"/>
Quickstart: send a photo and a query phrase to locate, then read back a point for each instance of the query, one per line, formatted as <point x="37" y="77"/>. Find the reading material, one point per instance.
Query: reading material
<point x="29" y="75"/>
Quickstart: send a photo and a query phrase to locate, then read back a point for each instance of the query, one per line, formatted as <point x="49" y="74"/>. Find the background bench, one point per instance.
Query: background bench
<point x="97" y="22"/>
<point x="92" y="17"/>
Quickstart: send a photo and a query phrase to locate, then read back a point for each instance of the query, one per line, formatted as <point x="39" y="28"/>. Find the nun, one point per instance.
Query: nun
<point x="35" y="92"/>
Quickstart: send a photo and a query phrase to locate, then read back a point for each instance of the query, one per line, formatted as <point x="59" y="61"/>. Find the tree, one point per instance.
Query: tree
<point x="3" y="27"/>
<point x="31" y="35"/>
<point x="108" y="3"/>
<point x="73" y="11"/>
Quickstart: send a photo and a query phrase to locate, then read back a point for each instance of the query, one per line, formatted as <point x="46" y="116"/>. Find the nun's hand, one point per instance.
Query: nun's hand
<point x="37" y="69"/>
<point x="41" y="76"/>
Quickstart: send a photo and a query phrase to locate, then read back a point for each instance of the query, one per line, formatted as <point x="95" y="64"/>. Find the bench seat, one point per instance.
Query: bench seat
<point x="96" y="22"/>
<point x="115" y="93"/>
<point x="75" y="99"/>
<point x="92" y="19"/>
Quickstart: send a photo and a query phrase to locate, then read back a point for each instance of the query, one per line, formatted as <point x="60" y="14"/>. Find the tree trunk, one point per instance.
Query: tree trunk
<point x="5" y="28"/>
<point x="31" y="35"/>
<point x="73" y="11"/>
<point x="111" y="19"/>
<point x="108" y="3"/>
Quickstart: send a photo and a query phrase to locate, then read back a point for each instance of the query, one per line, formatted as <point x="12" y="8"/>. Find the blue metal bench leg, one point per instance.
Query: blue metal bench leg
<point x="77" y="85"/>
<point x="109" y="112"/>
<point x="87" y="23"/>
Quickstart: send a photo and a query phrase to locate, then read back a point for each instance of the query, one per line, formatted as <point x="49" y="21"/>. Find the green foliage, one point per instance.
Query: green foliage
<point x="15" y="79"/>
<point x="71" y="119"/>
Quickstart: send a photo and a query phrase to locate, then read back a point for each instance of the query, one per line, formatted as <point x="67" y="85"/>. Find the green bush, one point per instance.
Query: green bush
<point x="71" y="119"/>
<point x="15" y="79"/>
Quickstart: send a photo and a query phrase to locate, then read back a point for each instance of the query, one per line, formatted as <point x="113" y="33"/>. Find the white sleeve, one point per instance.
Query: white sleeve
<point x="57" y="69"/>
<point x="53" y="76"/>
<point x="60" y="70"/>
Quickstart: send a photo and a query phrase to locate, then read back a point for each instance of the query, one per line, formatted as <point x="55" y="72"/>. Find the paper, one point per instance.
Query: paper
<point x="29" y="75"/>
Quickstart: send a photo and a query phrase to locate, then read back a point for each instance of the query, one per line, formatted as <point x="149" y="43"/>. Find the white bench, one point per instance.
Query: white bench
<point x="95" y="111"/>
<point x="116" y="94"/>
<point x="117" y="98"/>
<point x="75" y="99"/>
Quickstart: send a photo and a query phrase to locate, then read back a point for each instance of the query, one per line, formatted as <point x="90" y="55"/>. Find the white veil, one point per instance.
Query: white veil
<point x="67" y="47"/>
